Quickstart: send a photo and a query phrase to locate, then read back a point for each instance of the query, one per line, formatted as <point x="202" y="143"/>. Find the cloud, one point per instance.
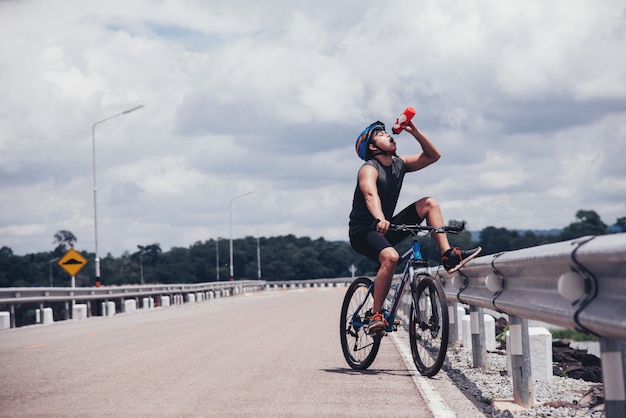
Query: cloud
<point x="526" y="102"/>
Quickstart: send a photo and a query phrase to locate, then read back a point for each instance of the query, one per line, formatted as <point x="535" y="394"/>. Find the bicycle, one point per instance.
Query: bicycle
<point x="428" y="315"/>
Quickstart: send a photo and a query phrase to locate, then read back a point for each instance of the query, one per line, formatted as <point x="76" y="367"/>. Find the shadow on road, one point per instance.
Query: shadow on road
<point x="373" y="372"/>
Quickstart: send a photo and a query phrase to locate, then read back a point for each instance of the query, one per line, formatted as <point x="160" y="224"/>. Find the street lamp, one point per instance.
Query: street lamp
<point x="232" y="271"/>
<point x="95" y="210"/>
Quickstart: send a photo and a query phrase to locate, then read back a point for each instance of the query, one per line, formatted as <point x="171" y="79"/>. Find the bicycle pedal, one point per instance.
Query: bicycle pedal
<point x="397" y="322"/>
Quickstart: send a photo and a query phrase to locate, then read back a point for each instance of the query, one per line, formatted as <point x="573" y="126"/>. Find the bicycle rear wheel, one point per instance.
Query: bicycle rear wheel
<point x="359" y="348"/>
<point x="428" y="325"/>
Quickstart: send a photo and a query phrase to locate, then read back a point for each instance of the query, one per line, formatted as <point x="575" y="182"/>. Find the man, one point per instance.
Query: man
<point x="378" y="187"/>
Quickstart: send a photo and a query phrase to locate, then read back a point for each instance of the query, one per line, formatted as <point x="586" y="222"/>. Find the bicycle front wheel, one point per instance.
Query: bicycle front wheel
<point x="428" y="325"/>
<point x="359" y="348"/>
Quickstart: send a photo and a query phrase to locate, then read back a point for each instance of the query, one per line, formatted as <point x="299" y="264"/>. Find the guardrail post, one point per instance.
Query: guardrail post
<point x="613" y="376"/>
<point x="477" y="325"/>
<point x="519" y="347"/>
<point x="453" y="334"/>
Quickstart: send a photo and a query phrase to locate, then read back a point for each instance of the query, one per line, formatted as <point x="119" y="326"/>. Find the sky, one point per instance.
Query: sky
<point x="526" y="101"/>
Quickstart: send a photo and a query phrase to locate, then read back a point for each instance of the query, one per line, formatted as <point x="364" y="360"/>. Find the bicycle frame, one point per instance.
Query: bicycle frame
<point x="406" y="275"/>
<point x="409" y="258"/>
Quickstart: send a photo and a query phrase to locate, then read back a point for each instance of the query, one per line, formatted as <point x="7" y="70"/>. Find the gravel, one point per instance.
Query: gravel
<point x="561" y="398"/>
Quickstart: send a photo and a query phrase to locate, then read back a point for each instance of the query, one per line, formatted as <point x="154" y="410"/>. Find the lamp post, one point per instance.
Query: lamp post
<point x="232" y="270"/>
<point x="258" y="250"/>
<point x="258" y="257"/>
<point x="95" y="190"/>
<point x="50" y="268"/>
<point x="217" y="258"/>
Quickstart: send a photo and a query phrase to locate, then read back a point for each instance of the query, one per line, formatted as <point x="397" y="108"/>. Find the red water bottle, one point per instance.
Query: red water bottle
<point x="403" y="120"/>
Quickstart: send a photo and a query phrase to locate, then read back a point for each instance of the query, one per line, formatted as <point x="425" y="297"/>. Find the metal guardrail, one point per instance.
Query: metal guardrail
<point x="20" y="295"/>
<point x="310" y="282"/>
<point x="578" y="284"/>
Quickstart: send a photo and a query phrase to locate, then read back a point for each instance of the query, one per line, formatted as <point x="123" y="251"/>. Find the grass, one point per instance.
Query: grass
<point x="558" y="334"/>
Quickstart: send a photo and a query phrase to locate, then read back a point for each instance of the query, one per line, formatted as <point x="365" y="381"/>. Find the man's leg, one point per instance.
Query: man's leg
<point x="388" y="262"/>
<point x="428" y="208"/>
<point x="388" y="258"/>
<point x="451" y="258"/>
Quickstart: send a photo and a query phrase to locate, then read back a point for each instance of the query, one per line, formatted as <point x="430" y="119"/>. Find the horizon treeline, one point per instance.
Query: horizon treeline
<point x="281" y="258"/>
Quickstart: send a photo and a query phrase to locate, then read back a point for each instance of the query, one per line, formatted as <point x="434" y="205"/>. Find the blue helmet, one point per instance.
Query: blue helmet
<point x="364" y="138"/>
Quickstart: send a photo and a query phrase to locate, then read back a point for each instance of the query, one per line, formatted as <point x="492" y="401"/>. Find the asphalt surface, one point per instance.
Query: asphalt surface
<point x="275" y="353"/>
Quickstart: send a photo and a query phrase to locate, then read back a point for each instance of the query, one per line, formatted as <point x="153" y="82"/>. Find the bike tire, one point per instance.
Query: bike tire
<point x="428" y="325"/>
<point x="359" y="348"/>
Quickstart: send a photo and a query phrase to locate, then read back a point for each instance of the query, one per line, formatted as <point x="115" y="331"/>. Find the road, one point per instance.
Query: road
<point x="273" y="353"/>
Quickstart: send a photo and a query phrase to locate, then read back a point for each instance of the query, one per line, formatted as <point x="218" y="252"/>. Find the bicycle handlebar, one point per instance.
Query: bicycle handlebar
<point x="415" y="228"/>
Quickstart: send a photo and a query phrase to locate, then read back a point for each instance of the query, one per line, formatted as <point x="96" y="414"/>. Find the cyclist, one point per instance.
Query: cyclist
<point x="378" y="187"/>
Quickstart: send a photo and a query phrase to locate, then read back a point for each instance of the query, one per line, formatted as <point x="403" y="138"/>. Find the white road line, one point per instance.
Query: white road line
<point x="434" y="401"/>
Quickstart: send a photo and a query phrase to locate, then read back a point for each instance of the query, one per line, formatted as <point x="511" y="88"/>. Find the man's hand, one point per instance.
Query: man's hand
<point x="382" y="226"/>
<point x="410" y="127"/>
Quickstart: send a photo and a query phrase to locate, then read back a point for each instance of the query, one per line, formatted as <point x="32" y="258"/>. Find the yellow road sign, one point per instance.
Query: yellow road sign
<point x="72" y="262"/>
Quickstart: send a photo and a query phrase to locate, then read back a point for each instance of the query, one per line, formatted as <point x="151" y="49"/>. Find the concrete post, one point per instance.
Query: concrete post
<point x="614" y="376"/>
<point x="79" y="311"/>
<point x="540" y="341"/>
<point x="520" y="361"/>
<point x="5" y="321"/>
<point x="108" y="308"/>
<point x="44" y="316"/>
<point x="130" y="306"/>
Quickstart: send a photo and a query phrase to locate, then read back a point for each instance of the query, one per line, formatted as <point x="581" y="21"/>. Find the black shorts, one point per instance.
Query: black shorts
<point x="370" y="243"/>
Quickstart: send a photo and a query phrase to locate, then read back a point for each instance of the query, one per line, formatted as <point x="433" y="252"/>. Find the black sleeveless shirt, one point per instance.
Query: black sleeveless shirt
<point x="389" y="184"/>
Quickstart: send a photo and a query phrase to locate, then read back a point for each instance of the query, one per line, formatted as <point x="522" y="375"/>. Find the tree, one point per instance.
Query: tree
<point x="64" y="241"/>
<point x="152" y="251"/>
<point x="282" y="258"/>
<point x="494" y="240"/>
<point x="462" y="239"/>
<point x="589" y="223"/>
